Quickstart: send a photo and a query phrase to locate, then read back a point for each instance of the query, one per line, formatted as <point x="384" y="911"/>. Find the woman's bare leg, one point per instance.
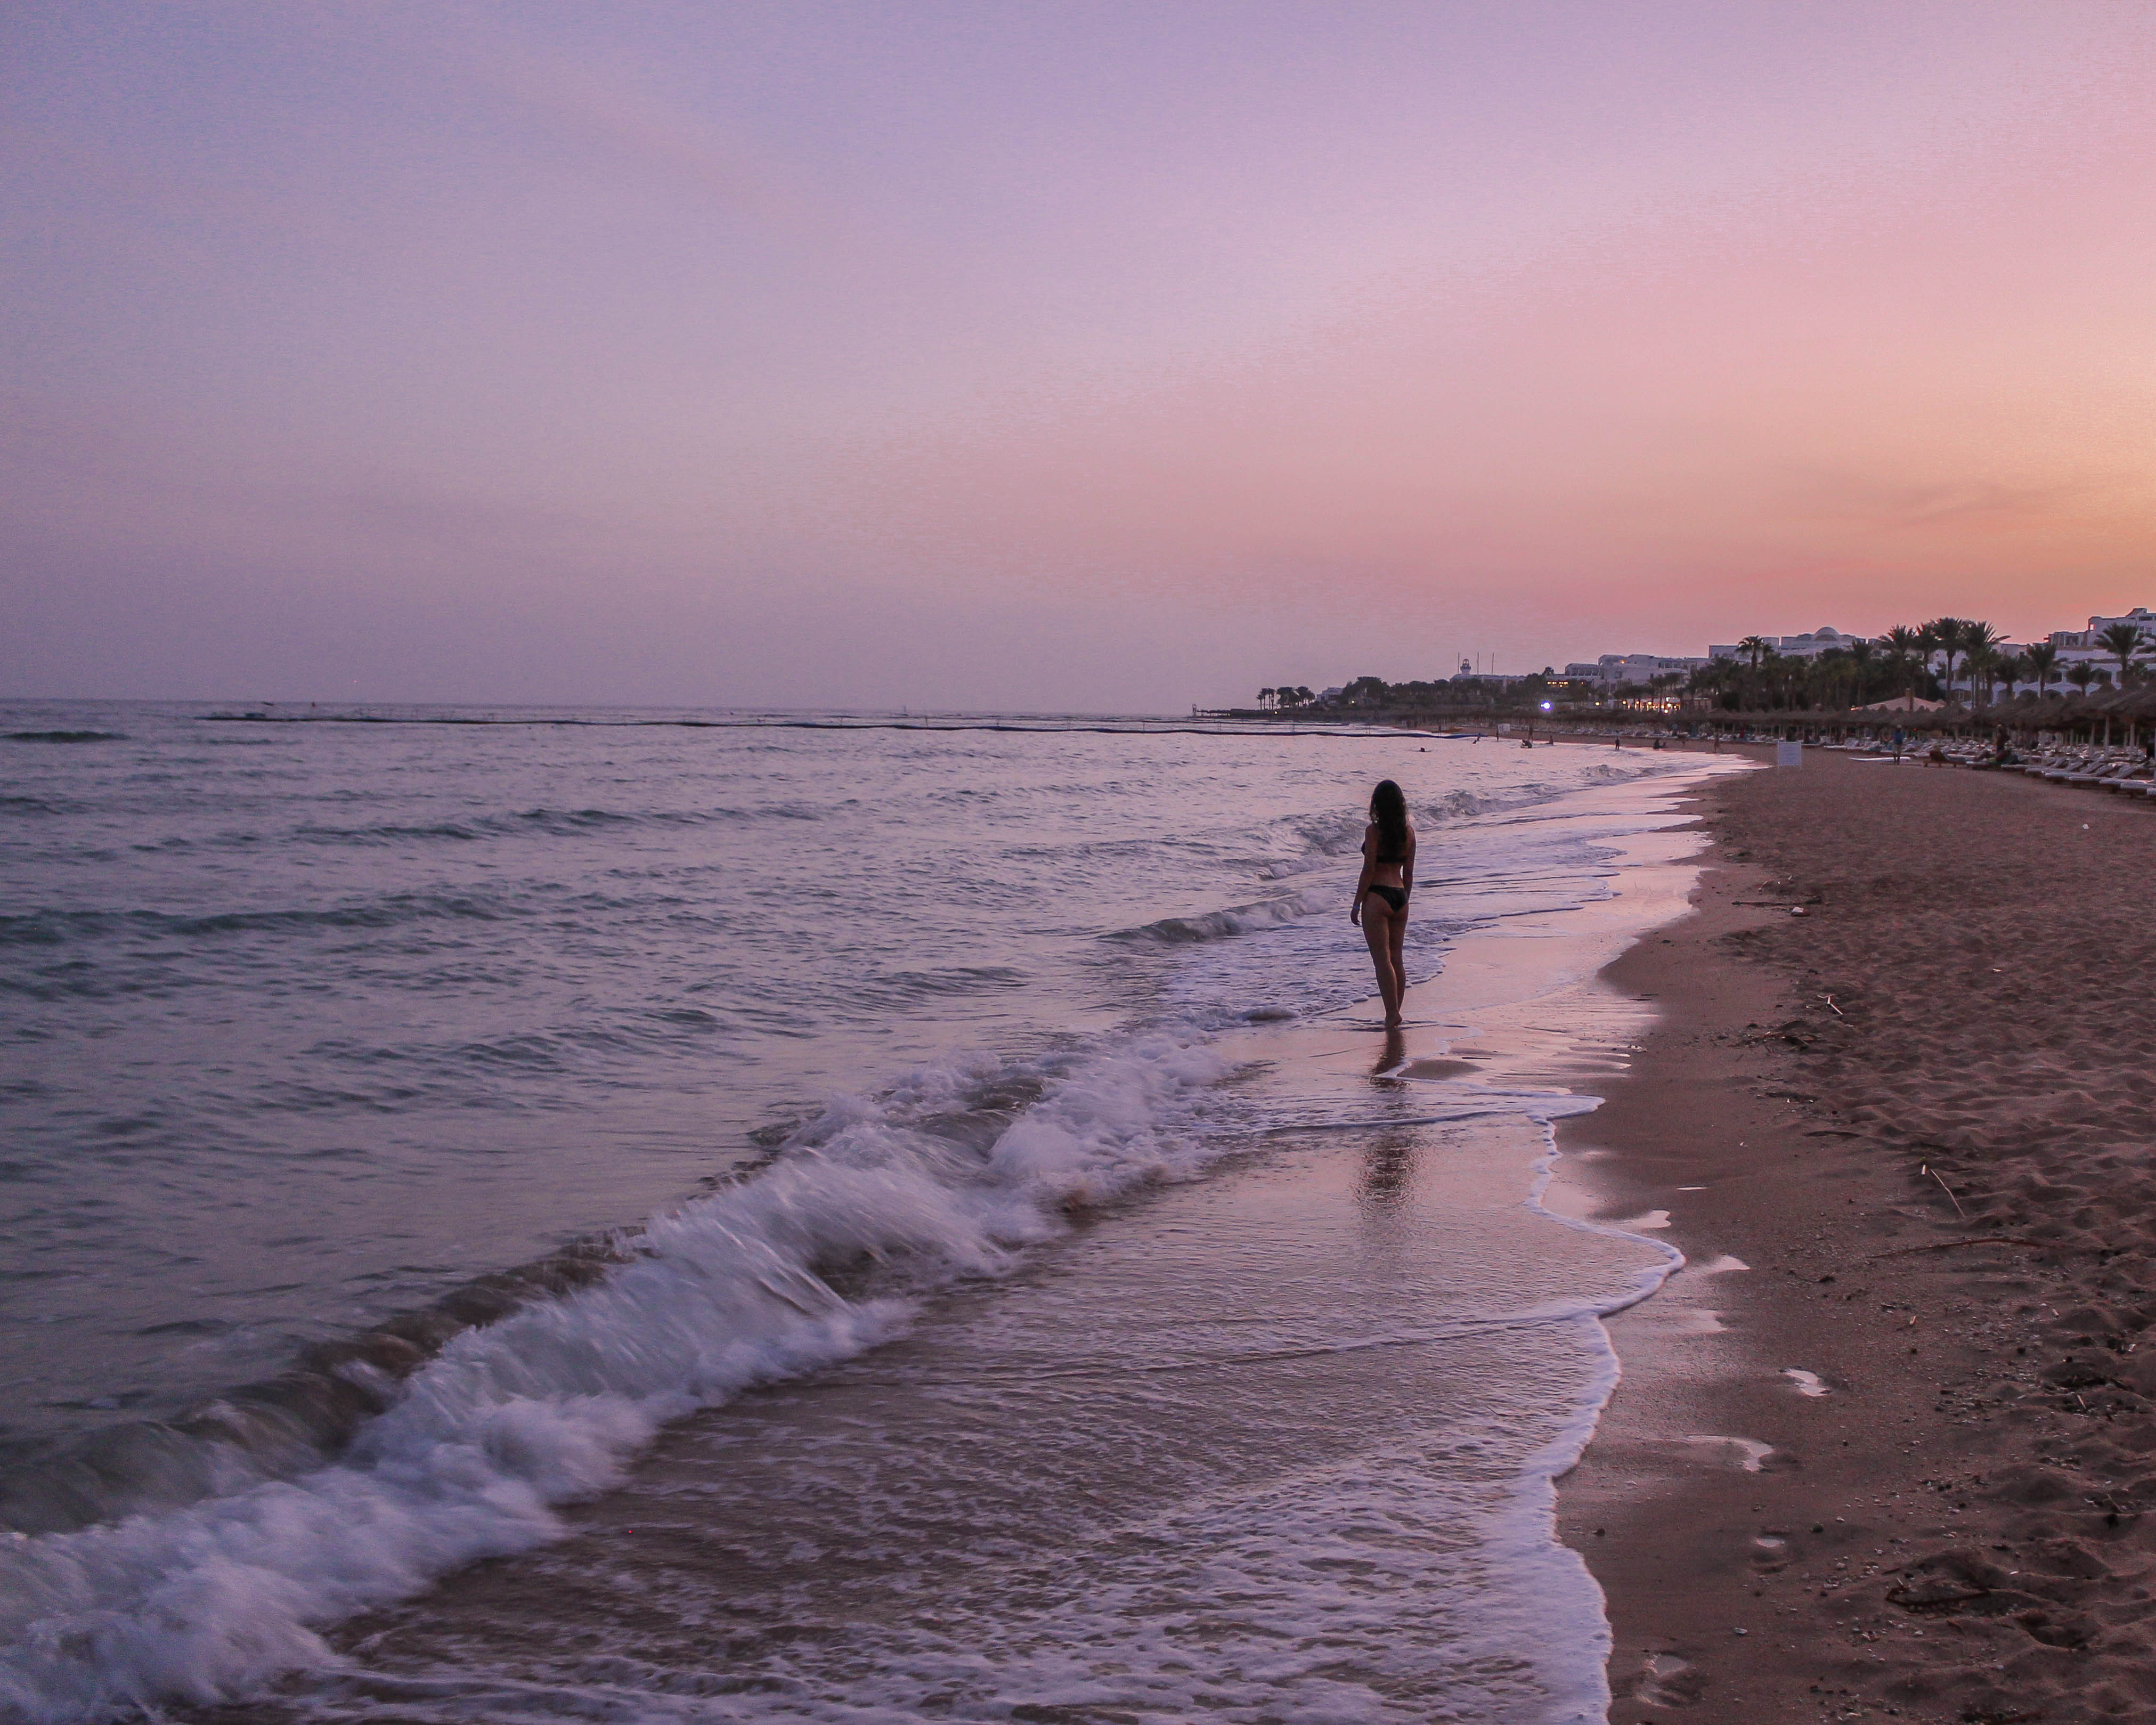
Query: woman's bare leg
<point x="1377" y="920"/>
<point x="1396" y="941"/>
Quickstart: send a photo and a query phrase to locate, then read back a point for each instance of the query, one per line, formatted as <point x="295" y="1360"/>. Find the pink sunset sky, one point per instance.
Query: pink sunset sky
<point x="1091" y="355"/>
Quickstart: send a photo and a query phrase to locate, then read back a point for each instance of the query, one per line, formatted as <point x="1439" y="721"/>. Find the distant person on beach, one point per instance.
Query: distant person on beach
<point x="1388" y="850"/>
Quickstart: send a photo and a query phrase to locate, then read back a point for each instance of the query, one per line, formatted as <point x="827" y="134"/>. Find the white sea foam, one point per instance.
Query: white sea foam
<point x="208" y="1602"/>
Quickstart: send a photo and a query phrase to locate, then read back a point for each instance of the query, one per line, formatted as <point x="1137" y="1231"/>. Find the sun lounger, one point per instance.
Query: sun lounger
<point x="2105" y="774"/>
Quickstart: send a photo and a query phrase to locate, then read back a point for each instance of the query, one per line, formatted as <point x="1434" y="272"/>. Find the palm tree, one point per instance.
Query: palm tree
<point x="2123" y="639"/>
<point x="1946" y="636"/>
<point x="1832" y="675"/>
<point x="1983" y="665"/>
<point x="1755" y="647"/>
<point x="1903" y="643"/>
<point x="2043" y="658"/>
<point x="1927" y="646"/>
<point x="1978" y="638"/>
<point x="2081" y="675"/>
<point x="2015" y="672"/>
<point x="1712" y="681"/>
<point x="1785" y="678"/>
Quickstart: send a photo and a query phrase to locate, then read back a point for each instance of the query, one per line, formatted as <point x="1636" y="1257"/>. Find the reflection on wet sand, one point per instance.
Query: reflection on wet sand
<point x="1388" y="1154"/>
<point x="1387" y="1168"/>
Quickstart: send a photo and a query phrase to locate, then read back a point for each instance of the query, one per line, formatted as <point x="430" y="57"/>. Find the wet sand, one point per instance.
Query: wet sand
<point x="1885" y="1448"/>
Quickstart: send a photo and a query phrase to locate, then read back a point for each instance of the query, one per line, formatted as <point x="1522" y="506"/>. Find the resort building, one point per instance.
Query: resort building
<point x="2078" y="646"/>
<point x="1809" y="646"/>
<point x="1613" y="671"/>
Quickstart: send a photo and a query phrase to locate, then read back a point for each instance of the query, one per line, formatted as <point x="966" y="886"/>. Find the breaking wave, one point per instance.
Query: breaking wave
<point x="826" y="1253"/>
<point x="1233" y="920"/>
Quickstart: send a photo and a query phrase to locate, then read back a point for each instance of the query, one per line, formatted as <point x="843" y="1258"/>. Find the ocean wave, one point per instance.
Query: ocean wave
<point x="563" y="822"/>
<point x="824" y="1254"/>
<point x="956" y="979"/>
<point x="79" y="979"/>
<point x="64" y="736"/>
<point x="52" y="928"/>
<point x="1459" y="804"/>
<point x="1325" y="840"/>
<point x="1229" y="920"/>
<point x="387" y="833"/>
<point x="278" y="1428"/>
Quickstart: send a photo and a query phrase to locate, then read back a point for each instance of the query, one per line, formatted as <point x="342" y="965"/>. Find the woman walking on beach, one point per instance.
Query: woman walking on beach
<point x="1381" y="896"/>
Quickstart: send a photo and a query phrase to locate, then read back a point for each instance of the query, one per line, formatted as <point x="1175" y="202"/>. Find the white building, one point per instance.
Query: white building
<point x="1615" y="669"/>
<point x="2082" y="643"/>
<point x="1808" y="646"/>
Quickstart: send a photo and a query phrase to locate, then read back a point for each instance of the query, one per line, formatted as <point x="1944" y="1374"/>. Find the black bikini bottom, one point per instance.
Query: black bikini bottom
<point x="1396" y="897"/>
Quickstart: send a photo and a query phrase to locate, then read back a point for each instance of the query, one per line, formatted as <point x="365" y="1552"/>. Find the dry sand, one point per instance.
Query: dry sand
<point x="1920" y="1115"/>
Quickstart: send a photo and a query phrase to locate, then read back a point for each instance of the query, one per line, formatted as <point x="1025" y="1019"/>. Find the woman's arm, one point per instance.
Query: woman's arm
<point x="1362" y="883"/>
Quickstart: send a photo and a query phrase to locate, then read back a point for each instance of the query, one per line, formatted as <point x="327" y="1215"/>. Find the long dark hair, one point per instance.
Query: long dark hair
<point x="1388" y="808"/>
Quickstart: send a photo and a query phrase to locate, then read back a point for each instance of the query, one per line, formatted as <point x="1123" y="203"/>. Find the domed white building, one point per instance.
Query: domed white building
<point x="1823" y="640"/>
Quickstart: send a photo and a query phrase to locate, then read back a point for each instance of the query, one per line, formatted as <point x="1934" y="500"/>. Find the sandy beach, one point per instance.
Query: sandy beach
<point x="1884" y="1448"/>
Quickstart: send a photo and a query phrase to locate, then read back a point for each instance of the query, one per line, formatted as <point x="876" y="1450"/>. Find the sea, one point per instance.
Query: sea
<point x="636" y="1214"/>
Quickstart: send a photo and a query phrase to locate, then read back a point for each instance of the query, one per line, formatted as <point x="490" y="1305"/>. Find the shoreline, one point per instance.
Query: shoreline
<point x="1383" y="1253"/>
<point x="1881" y="1450"/>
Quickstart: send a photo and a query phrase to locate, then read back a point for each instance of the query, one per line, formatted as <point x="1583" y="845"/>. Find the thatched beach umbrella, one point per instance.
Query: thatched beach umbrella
<point x="2132" y="712"/>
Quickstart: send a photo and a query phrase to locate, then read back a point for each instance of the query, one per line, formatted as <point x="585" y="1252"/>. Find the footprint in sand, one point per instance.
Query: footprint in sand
<point x="1747" y="1453"/>
<point x="1667" y="1681"/>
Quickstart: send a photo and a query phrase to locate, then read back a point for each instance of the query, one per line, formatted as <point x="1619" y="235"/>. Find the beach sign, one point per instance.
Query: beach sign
<point x="1789" y="754"/>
